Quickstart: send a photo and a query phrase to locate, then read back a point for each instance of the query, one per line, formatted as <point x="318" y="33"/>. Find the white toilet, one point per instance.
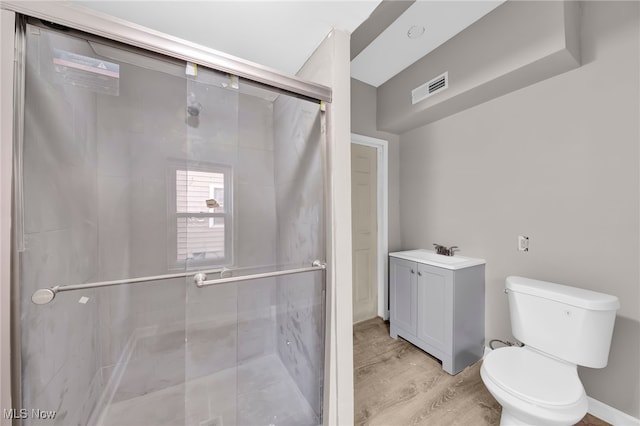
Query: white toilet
<point x="562" y="327"/>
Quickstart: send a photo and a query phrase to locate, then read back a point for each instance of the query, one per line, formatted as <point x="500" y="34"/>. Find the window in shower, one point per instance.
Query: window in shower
<point x="200" y="214"/>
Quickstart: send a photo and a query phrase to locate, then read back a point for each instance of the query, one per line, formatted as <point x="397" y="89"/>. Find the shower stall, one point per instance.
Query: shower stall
<point x="169" y="238"/>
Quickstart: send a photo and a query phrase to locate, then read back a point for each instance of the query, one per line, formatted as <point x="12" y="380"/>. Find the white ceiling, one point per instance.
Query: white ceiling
<point x="282" y="34"/>
<point x="278" y="34"/>
<point x="393" y="51"/>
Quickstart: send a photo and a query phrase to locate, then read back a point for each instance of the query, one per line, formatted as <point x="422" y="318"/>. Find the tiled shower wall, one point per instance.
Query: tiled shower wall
<point x="300" y="240"/>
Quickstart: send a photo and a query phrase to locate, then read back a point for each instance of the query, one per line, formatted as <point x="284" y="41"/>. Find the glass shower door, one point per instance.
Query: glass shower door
<point x="100" y="125"/>
<point x="205" y="231"/>
<point x="255" y="343"/>
<point x="137" y="172"/>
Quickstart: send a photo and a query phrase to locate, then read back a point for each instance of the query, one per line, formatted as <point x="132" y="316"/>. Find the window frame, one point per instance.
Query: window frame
<point x="173" y="263"/>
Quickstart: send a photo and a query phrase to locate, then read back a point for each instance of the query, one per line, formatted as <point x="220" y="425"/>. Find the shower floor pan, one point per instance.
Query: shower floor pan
<point x="271" y="397"/>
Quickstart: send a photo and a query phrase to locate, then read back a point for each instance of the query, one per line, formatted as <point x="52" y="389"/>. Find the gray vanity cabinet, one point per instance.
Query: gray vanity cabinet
<point x="439" y="310"/>
<point x="435" y="306"/>
<point x="404" y="293"/>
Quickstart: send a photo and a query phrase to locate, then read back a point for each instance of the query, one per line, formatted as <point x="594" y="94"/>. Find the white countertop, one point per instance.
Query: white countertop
<point x="430" y="257"/>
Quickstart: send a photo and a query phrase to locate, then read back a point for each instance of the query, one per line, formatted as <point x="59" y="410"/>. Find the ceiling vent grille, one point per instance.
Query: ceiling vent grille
<point x="429" y="88"/>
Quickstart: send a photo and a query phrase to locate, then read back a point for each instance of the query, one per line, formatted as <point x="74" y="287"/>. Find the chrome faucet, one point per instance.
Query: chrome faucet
<point x="440" y="249"/>
<point x="444" y="250"/>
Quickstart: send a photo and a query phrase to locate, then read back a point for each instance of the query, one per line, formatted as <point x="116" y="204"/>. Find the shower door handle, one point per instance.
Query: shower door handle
<point x="200" y="279"/>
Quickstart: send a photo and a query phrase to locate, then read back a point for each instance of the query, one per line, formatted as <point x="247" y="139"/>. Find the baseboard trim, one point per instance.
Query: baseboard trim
<point x="601" y="410"/>
<point x="610" y="414"/>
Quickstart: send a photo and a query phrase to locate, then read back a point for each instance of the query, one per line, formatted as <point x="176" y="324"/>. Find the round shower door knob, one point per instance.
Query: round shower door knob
<point x="43" y="296"/>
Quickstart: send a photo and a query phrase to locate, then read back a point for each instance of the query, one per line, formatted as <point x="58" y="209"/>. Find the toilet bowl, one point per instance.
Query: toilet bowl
<point x="532" y="388"/>
<point x="562" y="327"/>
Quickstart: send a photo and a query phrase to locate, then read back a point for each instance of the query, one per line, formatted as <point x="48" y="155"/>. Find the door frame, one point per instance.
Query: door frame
<point x="382" y="200"/>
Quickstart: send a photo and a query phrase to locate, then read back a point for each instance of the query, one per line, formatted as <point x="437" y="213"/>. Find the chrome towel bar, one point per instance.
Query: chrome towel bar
<point x="45" y="295"/>
<point x="200" y="279"/>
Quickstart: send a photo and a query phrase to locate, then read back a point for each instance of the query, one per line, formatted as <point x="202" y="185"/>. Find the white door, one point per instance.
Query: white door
<point x="364" y="231"/>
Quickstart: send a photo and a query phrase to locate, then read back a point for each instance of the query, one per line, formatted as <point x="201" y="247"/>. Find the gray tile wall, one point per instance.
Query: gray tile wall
<point x="300" y="240"/>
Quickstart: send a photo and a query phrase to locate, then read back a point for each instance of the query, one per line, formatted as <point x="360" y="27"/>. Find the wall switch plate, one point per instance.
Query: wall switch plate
<point x="523" y="243"/>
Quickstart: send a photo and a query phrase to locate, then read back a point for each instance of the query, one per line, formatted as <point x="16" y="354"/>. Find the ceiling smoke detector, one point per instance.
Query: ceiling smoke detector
<point x="415" y="31"/>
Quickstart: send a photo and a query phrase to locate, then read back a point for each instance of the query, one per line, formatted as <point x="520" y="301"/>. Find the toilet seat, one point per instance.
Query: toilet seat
<point x="534" y="377"/>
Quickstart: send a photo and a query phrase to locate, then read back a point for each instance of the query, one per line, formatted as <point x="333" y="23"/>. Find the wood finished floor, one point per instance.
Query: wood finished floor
<point x="397" y="384"/>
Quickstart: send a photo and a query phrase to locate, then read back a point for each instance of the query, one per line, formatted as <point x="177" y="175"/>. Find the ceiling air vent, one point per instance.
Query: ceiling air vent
<point x="431" y="87"/>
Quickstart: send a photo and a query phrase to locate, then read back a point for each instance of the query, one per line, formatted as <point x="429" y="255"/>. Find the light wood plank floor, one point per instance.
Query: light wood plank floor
<point x="397" y="384"/>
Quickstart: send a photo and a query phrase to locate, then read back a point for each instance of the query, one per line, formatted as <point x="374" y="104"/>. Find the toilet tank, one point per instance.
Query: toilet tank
<point x="570" y="323"/>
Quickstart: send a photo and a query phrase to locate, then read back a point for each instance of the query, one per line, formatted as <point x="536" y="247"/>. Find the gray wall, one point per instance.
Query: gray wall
<point x="517" y="44"/>
<point x="300" y="240"/>
<point x="557" y="161"/>
<point x="363" y="122"/>
<point x="329" y="66"/>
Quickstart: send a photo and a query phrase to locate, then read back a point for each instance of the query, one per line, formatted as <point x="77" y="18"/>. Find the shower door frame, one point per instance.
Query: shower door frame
<point x="7" y="39"/>
<point x="128" y="33"/>
<point x="112" y="28"/>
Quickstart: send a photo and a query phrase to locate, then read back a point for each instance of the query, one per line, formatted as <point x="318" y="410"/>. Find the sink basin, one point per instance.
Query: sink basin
<point x="431" y="258"/>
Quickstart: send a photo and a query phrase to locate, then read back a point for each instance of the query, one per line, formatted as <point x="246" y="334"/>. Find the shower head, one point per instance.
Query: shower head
<point x="194" y="110"/>
<point x="193" y="119"/>
<point x="193" y="106"/>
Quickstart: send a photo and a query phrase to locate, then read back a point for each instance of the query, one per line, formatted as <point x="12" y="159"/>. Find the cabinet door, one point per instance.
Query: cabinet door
<point x="435" y="301"/>
<point x="403" y="294"/>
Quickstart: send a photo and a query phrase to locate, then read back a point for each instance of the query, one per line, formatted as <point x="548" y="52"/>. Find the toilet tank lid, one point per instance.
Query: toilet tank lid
<point x="574" y="296"/>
